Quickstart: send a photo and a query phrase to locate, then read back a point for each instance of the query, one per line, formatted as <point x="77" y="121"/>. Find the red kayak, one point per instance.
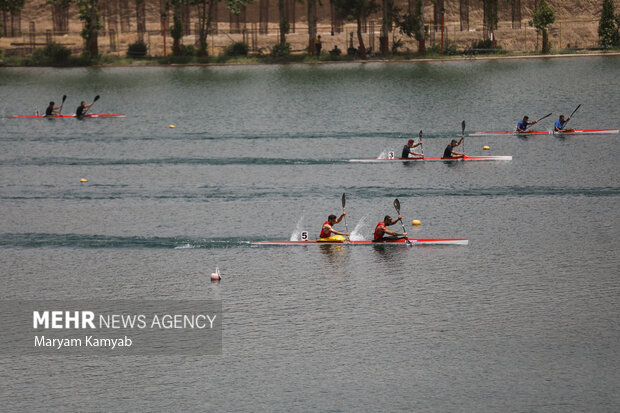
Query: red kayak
<point x="546" y="132"/>
<point x="401" y="241"/>
<point x="455" y="159"/>
<point x="88" y="115"/>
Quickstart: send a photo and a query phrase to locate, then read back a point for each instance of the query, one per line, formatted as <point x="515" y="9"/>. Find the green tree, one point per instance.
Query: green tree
<point x="60" y="13"/>
<point x="388" y="11"/>
<point x="412" y="25"/>
<point x="608" y="27"/>
<point x="356" y="10"/>
<point x="12" y="7"/>
<point x="312" y="19"/>
<point x="543" y="18"/>
<point x="176" y="31"/>
<point x="206" y="8"/>
<point x="89" y="14"/>
<point x="285" y="27"/>
<point x="490" y="16"/>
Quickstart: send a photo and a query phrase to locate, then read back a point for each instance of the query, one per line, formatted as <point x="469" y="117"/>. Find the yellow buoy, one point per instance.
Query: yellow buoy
<point x="83" y="180"/>
<point x="171" y="126"/>
<point x="415" y="222"/>
<point x="486" y="147"/>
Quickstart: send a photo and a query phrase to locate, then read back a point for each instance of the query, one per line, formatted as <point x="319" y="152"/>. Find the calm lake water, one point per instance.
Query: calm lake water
<point x="523" y="319"/>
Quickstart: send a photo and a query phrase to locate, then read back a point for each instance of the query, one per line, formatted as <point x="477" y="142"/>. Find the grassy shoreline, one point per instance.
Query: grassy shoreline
<point x="175" y="61"/>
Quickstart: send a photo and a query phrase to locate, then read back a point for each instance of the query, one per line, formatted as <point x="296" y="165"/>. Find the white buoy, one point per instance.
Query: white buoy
<point x="216" y="275"/>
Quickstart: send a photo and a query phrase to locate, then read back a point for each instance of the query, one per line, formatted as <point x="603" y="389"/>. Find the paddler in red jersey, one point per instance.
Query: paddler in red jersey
<point x="381" y="230"/>
<point x="327" y="230"/>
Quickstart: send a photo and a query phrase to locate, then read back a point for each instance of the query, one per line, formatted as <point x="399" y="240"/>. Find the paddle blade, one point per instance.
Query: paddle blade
<point x="420" y="135"/>
<point x="463" y="126"/>
<point x="344" y="200"/>
<point x="96" y="98"/>
<point x="575" y="110"/>
<point x="397" y="205"/>
<point x="64" y="97"/>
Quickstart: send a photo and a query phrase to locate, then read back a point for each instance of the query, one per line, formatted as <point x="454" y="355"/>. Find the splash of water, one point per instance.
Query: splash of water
<point x="296" y="235"/>
<point x="359" y="228"/>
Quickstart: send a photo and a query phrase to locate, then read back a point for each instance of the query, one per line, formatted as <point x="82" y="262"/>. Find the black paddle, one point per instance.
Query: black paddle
<point x="571" y="116"/>
<point x="344" y="202"/>
<point x="64" y="97"/>
<point x="421" y="144"/>
<point x="463" y="137"/>
<point x="397" y="207"/>
<point x="544" y="117"/>
<point x="91" y="105"/>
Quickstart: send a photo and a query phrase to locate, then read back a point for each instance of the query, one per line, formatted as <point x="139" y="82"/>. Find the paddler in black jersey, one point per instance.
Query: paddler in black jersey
<point x="82" y="109"/>
<point x="51" y="110"/>
<point x="408" y="150"/>
<point x="327" y="229"/>
<point x="449" y="152"/>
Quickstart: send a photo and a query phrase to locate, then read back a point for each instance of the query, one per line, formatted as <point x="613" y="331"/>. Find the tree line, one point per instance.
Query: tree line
<point x="410" y="22"/>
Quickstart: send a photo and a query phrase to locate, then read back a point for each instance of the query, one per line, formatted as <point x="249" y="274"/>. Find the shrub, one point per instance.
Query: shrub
<point x="53" y="54"/>
<point x="482" y="44"/>
<point x="136" y="50"/>
<point x="187" y="50"/>
<point x="237" y="49"/>
<point x="281" y="50"/>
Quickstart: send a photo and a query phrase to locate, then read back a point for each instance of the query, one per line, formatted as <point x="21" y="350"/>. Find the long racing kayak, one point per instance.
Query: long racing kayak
<point x="456" y="159"/>
<point x="88" y="115"/>
<point x="401" y="241"/>
<point x="546" y="132"/>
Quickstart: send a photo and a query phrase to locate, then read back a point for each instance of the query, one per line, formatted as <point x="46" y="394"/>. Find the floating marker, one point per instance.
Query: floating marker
<point x="415" y="222"/>
<point x="171" y="126"/>
<point x="83" y="180"/>
<point x="486" y="147"/>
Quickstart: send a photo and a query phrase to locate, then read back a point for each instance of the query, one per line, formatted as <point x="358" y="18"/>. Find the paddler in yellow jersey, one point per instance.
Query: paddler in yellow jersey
<point x="327" y="229"/>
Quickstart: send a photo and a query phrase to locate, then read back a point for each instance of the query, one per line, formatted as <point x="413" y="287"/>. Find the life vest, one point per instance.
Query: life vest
<point x="323" y="233"/>
<point x="379" y="225"/>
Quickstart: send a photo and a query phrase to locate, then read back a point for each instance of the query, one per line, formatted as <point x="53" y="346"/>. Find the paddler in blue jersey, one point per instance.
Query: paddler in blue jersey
<point x="327" y="229"/>
<point x="524" y="124"/>
<point x="449" y="152"/>
<point x="559" y="124"/>
<point x="408" y="150"/>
